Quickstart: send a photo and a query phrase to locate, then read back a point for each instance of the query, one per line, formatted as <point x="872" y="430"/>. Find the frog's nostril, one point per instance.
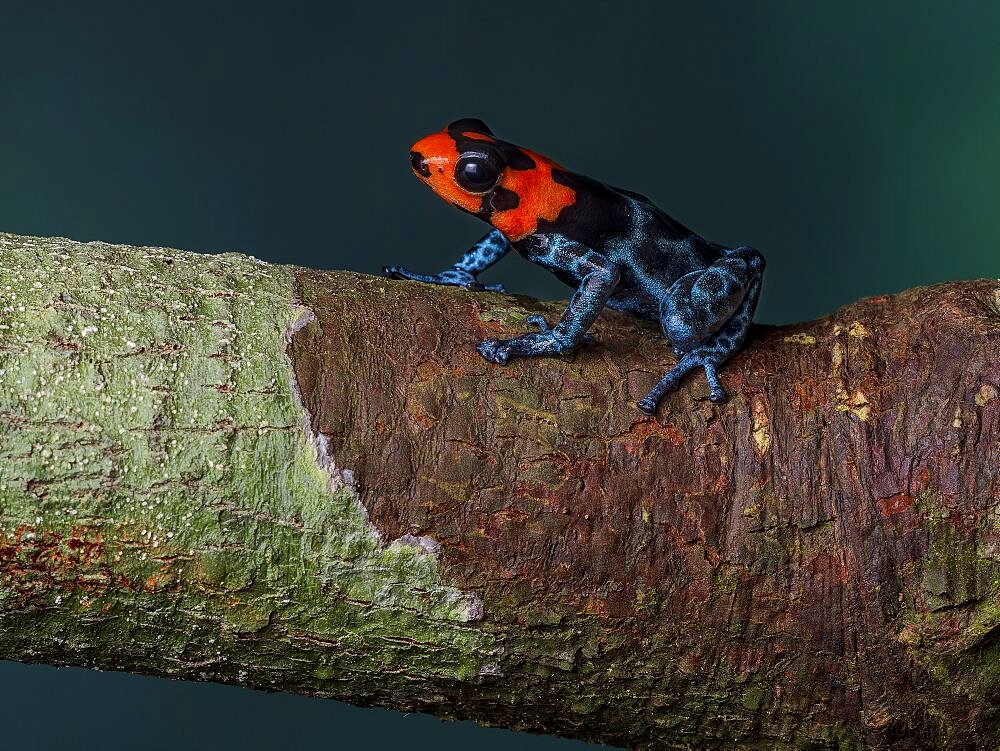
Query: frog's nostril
<point x="419" y="164"/>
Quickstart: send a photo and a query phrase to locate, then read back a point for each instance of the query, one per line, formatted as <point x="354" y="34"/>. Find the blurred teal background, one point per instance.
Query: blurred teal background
<point x="858" y="147"/>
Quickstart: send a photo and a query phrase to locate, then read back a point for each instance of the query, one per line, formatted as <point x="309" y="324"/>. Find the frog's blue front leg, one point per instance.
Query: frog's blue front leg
<point x="598" y="282"/>
<point x="706" y="315"/>
<point x="490" y="249"/>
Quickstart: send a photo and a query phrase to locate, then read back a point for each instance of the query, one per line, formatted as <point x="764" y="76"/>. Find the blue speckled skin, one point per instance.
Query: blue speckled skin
<point x="618" y="249"/>
<point x="491" y="248"/>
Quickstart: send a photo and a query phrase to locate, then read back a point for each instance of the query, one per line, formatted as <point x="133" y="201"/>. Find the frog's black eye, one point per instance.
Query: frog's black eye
<point x="477" y="173"/>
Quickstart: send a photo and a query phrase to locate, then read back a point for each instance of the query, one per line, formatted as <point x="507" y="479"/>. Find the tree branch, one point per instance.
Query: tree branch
<point x="219" y="469"/>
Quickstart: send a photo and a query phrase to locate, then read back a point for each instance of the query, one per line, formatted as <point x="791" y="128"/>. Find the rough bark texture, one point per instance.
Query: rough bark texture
<point x="218" y="469"/>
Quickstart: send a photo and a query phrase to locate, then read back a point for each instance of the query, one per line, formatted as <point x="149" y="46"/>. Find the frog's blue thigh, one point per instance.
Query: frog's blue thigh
<point x="706" y="314"/>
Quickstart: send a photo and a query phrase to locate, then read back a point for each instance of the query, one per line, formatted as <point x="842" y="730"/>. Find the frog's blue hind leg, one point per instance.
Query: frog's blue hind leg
<point x="706" y="315"/>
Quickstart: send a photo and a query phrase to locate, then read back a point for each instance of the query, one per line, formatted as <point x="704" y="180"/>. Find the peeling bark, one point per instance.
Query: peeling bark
<point x="218" y="469"/>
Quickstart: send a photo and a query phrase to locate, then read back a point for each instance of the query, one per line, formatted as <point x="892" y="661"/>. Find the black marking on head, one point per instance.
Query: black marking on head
<point x="468" y="125"/>
<point x="419" y="164"/>
<point x="517" y="159"/>
<point x="510" y="155"/>
<point x="505" y="199"/>
<point x="562" y="177"/>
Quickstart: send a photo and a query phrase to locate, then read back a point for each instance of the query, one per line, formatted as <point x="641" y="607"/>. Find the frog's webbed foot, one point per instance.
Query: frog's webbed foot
<point x="526" y="345"/>
<point x="550" y="341"/>
<point x="494" y="350"/>
<point x="450" y="278"/>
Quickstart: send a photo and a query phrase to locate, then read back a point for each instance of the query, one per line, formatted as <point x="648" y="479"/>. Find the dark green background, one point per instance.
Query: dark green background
<point x="857" y="147"/>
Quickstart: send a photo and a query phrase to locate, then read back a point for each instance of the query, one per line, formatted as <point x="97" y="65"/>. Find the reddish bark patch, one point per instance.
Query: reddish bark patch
<point x="895" y="504"/>
<point x="645" y="434"/>
<point x="36" y="564"/>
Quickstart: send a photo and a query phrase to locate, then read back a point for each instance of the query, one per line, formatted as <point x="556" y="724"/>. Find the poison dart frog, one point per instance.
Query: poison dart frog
<point x="614" y="246"/>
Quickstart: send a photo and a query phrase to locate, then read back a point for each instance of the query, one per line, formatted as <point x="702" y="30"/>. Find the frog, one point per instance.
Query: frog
<point x="615" y="247"/>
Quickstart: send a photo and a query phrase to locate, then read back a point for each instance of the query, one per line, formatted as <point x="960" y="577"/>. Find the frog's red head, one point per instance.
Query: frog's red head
<point x="508" y="186"/>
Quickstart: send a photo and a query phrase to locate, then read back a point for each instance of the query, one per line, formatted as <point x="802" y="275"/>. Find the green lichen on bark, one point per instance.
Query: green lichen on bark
<point x="158" y="485"/>
<point x="953" y="627"/>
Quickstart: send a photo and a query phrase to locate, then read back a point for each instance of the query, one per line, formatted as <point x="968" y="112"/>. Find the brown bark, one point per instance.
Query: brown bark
<point x="814" y="563"/>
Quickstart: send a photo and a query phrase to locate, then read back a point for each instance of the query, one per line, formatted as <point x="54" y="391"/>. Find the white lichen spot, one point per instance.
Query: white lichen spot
<point x="857" y="330"/>
<point x="423" y="544"/>
<point x="760" y="426"/>
<point x="801" y="338"/>
<point x="474" y="610"/>
<point x="856" y="403"/>
<point x="986" y="394"/>
<point x="837" y="357"/>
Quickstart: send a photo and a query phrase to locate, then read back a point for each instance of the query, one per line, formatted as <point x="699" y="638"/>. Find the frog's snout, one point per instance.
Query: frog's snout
<point x="419" y="164"/>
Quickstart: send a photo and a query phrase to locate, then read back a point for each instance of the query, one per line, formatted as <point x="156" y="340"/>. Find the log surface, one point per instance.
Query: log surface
<point x="218" y="469"/>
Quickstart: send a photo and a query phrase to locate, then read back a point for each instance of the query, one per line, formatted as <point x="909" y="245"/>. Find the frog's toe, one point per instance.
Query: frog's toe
<point x="647" y="406"/>
<point x="718" y="396"/>
<point x="716" y="391"/>
<point x="494" y="350"/>
<point x="395" y="272"/>
<point x="543" y="327"/>
<point x="399" y="272"/>
<point x="539" y="321"/>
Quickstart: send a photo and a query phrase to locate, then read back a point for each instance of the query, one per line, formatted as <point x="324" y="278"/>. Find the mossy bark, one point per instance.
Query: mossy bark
<point x="218" y="469"/>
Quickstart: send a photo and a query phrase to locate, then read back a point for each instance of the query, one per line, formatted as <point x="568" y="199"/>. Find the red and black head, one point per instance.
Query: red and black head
<point x="465" y="164"/>
<point x="508" y="186"/>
